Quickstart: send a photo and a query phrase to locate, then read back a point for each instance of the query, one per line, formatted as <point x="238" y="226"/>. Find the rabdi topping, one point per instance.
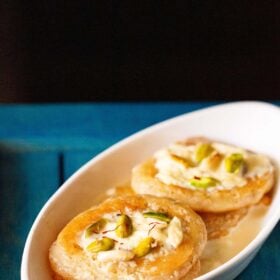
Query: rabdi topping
<point x="123" y="237"/>
<point x="209" y="166"/>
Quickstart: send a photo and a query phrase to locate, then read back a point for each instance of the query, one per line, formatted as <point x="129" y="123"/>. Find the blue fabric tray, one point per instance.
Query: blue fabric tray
<point x="42" y="145"/>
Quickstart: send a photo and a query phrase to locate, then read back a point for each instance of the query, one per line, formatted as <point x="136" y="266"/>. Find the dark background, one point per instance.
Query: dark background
<point x="139" y="50"/>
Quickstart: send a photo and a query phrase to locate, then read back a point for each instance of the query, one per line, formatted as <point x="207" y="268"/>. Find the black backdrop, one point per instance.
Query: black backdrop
<point x="139" y="50"/>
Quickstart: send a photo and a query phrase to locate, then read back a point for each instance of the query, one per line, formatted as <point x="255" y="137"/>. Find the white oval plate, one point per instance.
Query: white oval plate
<point x="253" y="125"/>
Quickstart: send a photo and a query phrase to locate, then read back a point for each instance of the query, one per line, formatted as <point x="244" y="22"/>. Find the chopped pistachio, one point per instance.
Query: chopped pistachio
<point x="158" y="216"/>
<point x="95" y="227"/>
<point x="103" y="244"/>
<point x="234" y="163"/>
<point x="214" y="161"/>
<point x="186" y="162"/>
<point x="143" y="247"/>
<point x="124" y="226"/>
<point x="204" y="182"/>
<point x="202" y="151"/>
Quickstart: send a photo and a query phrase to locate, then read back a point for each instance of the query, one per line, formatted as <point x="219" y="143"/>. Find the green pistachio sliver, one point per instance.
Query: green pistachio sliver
<point x="103" y="244"/>
<point x="158" y="216"/>
<point x="95" y="227"/>
<point x="234" y="163"/>
<point x="143" y="247"/>
<point x="202" y="151"/>
<point x="204" y="182"/>
<point x="124" y="226"/>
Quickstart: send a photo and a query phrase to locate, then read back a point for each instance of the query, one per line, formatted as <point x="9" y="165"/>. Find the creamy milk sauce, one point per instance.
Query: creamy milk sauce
<point x="219" y="251"/>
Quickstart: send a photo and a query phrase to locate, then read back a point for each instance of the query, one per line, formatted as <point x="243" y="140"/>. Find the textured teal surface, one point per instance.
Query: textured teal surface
<point x="42" y="145"/>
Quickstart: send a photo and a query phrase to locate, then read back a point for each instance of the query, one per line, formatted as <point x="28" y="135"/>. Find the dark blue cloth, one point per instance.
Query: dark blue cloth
<point x="42" y="145"/>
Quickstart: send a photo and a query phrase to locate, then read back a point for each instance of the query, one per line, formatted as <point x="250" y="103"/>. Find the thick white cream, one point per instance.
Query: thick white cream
<point x="173" y="171"/>
<point x="166" y="235"/>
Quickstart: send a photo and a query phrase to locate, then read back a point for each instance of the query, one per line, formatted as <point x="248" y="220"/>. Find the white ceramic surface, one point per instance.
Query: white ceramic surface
<point x="253" y="125"/>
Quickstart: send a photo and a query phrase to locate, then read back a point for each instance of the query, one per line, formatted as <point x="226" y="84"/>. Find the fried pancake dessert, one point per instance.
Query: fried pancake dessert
<point x="208" y="176"/>
<point x="219" y="181"/>
<point x="130" y="237"/>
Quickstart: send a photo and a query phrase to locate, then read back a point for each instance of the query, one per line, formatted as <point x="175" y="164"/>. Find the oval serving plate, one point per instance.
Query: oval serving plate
<point x="252" y="125"/>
